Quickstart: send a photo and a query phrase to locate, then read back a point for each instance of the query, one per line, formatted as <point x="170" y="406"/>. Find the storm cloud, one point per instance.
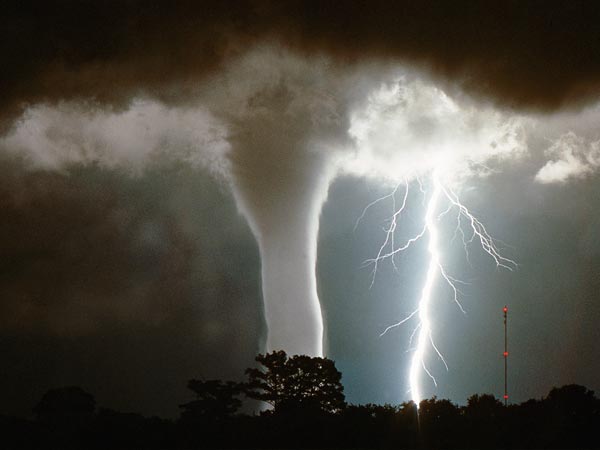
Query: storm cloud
<point x="125" y="123"/>
<point x="533" y="55"/>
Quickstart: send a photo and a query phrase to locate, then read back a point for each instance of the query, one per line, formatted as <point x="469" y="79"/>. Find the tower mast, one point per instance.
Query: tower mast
<point x="505" y="311"/>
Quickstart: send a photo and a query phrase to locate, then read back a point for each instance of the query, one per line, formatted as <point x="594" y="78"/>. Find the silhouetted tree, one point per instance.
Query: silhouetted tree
<point x="371" y="411"/>
<point x="65" y="418"/>
<point x="572" y="400"/>
<point x="573" y="414"/>
<point x="65" y="403"/>
<point x="310" y="412"/>
<point x="483" y="407"/>
<point x="215" y="399"/>
<point x="370" y="426"/>
<point x="440" y="421"/>
<point x="484" y="415"/>
<point x="526" y="423"/>
<point x="408" y="415"/>
<point x="299" y="382"/>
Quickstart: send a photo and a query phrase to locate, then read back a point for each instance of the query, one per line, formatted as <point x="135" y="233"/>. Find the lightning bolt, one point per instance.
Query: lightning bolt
<point x="472" y="231"/>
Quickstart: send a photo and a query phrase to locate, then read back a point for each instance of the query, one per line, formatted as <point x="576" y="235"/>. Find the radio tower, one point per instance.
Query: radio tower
<point x="505" y="311"/>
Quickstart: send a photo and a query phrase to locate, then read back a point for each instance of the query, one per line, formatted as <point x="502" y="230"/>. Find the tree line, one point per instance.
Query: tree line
<point x="301" y="404"/>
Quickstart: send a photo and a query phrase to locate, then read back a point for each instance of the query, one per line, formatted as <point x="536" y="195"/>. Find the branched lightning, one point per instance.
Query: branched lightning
<point x="474" y="232"/>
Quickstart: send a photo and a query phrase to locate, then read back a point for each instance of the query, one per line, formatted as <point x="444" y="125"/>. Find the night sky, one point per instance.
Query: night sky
<point x="128" y="264"/>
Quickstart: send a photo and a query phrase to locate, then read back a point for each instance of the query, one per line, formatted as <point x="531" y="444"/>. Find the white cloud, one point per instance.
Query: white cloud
<point x="409" y="128"/>
<point x="53" y="138"/>
<point x="572" y="156"/>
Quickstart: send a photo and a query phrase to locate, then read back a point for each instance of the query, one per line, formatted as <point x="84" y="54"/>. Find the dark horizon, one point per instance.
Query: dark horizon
<point x="305" y="393"/>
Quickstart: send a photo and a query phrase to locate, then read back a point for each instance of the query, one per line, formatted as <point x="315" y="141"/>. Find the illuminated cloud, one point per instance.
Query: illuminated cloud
<point x="54" y="138"/>
<point x="410" y="127"/>
<point x="571" y="157"/>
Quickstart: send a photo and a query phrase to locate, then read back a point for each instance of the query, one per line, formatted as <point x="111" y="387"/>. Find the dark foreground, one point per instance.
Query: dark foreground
<point x="569" y="417"/>
<point x="308" y="410"/>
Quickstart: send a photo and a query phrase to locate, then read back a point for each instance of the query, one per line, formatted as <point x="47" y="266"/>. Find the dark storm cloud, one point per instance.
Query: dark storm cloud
<point x="51" y="230"/>
<point x="122" y="283"/>
<point x="534" y="54"/>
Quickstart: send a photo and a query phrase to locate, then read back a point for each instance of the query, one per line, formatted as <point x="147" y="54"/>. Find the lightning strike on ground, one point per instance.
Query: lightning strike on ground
<point x="471" y="230"/>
